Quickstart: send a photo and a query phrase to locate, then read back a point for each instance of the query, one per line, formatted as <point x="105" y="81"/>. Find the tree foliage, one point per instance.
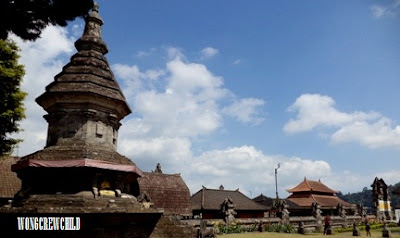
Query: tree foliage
<point x="27" y="18"/>
<point x="364" y="197"/>
<point x="11" y="96"/>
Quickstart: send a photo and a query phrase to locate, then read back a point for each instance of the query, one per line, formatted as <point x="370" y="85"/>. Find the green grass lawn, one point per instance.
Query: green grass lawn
<point x="375" y="233"/>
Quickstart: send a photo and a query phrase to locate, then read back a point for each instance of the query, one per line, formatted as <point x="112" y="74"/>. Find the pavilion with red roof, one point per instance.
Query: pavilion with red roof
<point x="308" y="192"/>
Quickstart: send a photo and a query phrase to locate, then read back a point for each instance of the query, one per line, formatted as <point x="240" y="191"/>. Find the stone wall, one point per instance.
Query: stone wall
<point x="172" y="227"/>
<point x="310" y="222"/>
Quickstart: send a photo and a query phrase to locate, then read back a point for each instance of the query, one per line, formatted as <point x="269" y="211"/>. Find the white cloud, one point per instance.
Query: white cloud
<point x="242" y="167"/>
<point x="318" y="110"/>
<point x="175" y="53"/>
<point x="390" y="177"/>
<point x="245" y="110"/>
<point x="193" y="79"/>
<point x="304" y="167"/>
<point x="173" y="153"/>
<point x="236" y="62"/>
<point x="187" y="106"/>
<point x="253" y="172"/>
<point x="186" y="103"/>
<point x="43" y="59"/>
<point x="134" y="79"/>
<point x="374" y="135"/>
<point x="145" y="53"/>
<point x="77" y="29"/>
<point x="208" y="52"/>
<point x="379" y="11"/>
<point x="370" y="129"/>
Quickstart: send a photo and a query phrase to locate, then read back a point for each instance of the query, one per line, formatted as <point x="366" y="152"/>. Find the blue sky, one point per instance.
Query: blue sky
<point x="223" y="91"/>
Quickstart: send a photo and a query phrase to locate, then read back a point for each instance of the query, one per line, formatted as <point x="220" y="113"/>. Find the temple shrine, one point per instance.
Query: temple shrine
<point x="79" y="175"/>
<point x="84" y="105"/>
<point x="381" y="200"/>
<point x="311" y="193"/>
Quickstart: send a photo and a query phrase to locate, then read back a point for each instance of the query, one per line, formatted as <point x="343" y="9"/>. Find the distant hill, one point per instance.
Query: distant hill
<point x="365" y="196"/>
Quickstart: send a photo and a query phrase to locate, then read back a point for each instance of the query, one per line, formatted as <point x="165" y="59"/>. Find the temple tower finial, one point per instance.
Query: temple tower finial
<point x="85" y="102"/>
<point x="91" y="38"/>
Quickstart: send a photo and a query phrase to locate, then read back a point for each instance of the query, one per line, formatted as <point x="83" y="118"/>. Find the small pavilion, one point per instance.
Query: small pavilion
<point x="310" y="192"/>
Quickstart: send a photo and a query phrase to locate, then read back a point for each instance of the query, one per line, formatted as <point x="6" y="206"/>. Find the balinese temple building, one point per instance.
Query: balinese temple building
<point x="167" y="192"/>
<point x="264" y="200"/>
<point x="310" y="192"/>
<point x="208" y="204"/>
<point x="79" y="173"/>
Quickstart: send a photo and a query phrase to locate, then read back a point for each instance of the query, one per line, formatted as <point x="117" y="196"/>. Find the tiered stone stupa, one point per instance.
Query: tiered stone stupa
<point x="79" y="174"/>
<point x="85" y="105"/>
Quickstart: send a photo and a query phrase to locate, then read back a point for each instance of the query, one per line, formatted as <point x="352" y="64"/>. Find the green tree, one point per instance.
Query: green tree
<point x="27" y="18"/>
<point x="11" y="96"/>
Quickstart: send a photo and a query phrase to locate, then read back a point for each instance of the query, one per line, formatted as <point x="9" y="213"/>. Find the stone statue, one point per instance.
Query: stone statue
<point x="342" y="213"/>
<point x="356" y="231"/>
<point x="386" y="231"/>
<point x="283" y="211"/>
<point x="144" y="197"/>
<point x="227" y="208"/>
<point x="300" y="229"/>
<point x="158" y="168"/>
<point x="316" y="212"/>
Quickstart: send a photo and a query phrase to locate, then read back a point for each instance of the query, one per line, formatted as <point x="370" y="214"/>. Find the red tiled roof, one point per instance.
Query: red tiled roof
<point x="211" y="199"/>
<point x="10" y="184"/>
<point x="167" y="191"/>
<point x="305" y="200"/>
<point x="311" y="186"/>
<point x="74" y="150"/>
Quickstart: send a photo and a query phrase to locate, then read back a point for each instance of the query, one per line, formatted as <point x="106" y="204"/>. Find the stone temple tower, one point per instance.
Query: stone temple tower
<point x="84" y="106"/>
<point x="79" y="175"/>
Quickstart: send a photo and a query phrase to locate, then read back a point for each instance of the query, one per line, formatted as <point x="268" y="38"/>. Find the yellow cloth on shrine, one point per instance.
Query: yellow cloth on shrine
<point x="384" y="205"/>
<point x="107" y="193"/>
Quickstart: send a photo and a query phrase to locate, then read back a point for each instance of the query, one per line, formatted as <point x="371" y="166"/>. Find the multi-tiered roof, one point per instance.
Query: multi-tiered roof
<point x="85" y="105"/>
<point x="308" y="191"/>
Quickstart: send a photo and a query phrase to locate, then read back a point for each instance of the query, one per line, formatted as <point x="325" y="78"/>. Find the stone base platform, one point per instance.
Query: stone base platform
<point x="84" y="215"/>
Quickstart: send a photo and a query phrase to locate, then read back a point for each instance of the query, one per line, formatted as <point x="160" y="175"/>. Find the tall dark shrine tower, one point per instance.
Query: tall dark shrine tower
<point x="85" y="106"/>
<point x="79" y="175"/>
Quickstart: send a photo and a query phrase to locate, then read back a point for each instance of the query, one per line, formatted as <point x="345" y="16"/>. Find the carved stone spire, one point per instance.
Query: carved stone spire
<point x="84" y="106"/>
<point x="91" y="38"/>
<point x="85" y="101"/>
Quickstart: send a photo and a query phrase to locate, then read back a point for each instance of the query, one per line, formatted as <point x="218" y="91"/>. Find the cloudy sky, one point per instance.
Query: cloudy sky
<point x="223" y="91"/>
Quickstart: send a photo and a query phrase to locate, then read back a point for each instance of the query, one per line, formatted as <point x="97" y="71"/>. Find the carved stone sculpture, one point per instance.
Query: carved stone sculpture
<point x="228" y="210"/>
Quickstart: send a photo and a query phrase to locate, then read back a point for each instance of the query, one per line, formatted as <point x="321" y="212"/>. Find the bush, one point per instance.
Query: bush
<point x="279" y="228"/>
<point x="373" y="226"/>
<point x="232" y="228"/>
<point x="251" y="228"/>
